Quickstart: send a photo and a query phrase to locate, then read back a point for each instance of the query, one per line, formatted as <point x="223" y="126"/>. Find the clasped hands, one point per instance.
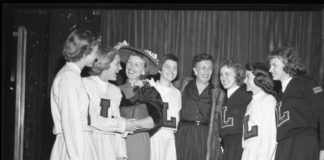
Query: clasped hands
<point x="132" y="125"/>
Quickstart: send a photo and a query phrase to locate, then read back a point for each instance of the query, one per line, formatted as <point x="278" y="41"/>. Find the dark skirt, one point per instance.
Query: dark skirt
<point x="232" y="148"/>
<point x="191" y="141"/>
<point x="298" y="148"/>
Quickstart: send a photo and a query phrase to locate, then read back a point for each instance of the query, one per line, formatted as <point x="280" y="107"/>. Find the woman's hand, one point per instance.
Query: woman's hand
<point x="131" y="126"/>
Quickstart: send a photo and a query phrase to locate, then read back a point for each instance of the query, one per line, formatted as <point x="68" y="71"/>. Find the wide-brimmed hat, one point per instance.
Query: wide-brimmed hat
<point x="149" y="57"/>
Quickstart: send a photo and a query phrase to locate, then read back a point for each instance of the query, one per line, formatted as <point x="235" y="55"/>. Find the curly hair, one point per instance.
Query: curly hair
<point x="201" y="57"/>
<point x="166" y="57"/>
<point x="79" y="43"/>
<point x="105" y="57"/>
<point x="292" y="62"/>
<point x="262" y="78"/>
<point x="238" y="69"/>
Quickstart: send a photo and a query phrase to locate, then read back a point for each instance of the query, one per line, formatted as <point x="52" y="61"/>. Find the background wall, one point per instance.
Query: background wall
<point x="244" y="34"/>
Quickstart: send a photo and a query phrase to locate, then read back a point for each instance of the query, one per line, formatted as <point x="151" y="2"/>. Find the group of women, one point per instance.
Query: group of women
<point x="153" y="120"/>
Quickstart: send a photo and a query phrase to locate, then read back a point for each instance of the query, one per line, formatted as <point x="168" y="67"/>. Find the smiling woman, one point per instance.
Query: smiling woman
<point x="108" y="126"/>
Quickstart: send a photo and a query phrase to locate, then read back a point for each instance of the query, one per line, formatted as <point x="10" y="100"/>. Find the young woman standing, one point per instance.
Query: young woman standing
<point x="300" y="109"/>
<point x="231" y="114"/>
<point x="259" y="123"/>
<point x="163" y="142"/>
<point x="69" y="100"/>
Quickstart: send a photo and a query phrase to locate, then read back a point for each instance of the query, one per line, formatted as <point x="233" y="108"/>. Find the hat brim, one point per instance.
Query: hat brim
<point x="126" y="51"/>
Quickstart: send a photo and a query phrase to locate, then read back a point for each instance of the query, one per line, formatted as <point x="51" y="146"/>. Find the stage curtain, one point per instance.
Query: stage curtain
<point x="245" y="35"/>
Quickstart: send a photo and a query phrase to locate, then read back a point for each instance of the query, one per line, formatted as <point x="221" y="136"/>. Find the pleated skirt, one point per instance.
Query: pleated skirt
<point x="191" y="141"/>
<point x="298" y="148"/>
<point x="60" y="152"/>
<point x="232" y="148"/>
<point x="163" y="145"/>
<point x="105" y="146"/>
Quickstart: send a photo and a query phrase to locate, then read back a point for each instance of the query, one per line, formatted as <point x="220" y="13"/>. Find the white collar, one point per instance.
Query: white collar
<point x="165" y="88"/>
<point x="285" y="84"/>
<point x="230" y="91"/>
<point x="102" y="83"/>
<point x="256" y="96"/>
<point x="73" y="65"/>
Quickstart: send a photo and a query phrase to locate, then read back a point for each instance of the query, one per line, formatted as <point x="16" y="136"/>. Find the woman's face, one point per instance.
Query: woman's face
<point x="135" y="67"/>
<point x="203" y="70"/>
<point x="169" y="70"/>
<point x="276" y="69"/>
<point x="249" y="81"/>
<point x="112" y="71"/>
<point x="90" y="58"/>
<point x="227" y="77"/>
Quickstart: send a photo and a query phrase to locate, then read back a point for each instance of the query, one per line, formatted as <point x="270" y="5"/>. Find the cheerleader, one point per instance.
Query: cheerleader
<point x="163" y="142"/>
<point x="69" y="100"/>
<point x="105" y="97"/>
<point x="259" y="123"/>
<point x="300" y="109"/>
<point x="231" y="114"/>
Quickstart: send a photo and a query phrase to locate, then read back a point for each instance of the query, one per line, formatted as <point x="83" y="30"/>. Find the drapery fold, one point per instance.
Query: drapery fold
<point x="245" y="35"/>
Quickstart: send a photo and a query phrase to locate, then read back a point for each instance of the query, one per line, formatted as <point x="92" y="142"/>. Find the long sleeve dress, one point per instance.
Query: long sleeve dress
<point x="163" y="142"/>
<point x="69" y="107"/>
<point x="259" y="128"/>
<point x="108" y="126"/>
<point x="147" y="102"/>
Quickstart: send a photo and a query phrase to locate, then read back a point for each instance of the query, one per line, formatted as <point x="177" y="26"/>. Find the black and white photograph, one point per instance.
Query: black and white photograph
<point x="162" y="81"/>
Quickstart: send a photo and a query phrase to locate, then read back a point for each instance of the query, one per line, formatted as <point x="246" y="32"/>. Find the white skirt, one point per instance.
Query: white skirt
<point x="163" y="145"/>
<point x="105" y="145"/>
<point x="59" y="150"/>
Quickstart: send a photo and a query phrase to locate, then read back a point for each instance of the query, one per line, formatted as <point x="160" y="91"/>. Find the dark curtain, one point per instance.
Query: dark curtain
<point x="46" y="32"/>
<point x="245" y="35"/>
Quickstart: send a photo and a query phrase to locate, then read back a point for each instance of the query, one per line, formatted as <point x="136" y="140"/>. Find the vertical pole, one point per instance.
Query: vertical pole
<point x="20" y="92"/>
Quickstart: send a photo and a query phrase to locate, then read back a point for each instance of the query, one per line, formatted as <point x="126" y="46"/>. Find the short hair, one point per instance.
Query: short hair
<point x="262" y="78"/>
<point x="201" y="57"/>
<point x="104" y="59"/>
<point x="79" y="43"/>
<point x="292" y="62"/>
<point x="166" y="57"/>
<point x="238" y="70"/>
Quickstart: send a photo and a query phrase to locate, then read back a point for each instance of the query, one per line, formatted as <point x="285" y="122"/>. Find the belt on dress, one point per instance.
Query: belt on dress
<point x="197" y="123"/>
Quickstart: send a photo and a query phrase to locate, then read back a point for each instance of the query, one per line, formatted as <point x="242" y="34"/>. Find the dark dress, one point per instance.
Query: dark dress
<point x="140" y="104"/>
<point x="192" y="134"/>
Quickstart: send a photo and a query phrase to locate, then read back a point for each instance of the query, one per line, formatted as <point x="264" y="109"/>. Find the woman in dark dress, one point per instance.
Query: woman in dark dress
<point x="196" y="112"/>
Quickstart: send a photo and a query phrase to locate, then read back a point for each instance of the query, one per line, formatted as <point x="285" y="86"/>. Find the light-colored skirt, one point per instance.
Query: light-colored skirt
<point x="60" y="152"/>
<point x="106" y="146"/>
<point x="163" y="145"/>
